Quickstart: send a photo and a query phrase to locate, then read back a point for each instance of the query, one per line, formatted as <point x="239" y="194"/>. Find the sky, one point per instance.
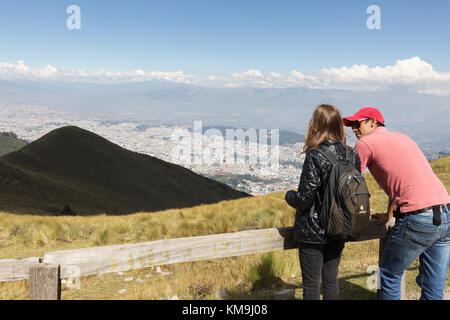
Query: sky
<point x="229" y="40"/>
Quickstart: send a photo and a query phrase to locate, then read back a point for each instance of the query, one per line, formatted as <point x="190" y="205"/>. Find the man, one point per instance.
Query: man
<point x="418" y="200"/>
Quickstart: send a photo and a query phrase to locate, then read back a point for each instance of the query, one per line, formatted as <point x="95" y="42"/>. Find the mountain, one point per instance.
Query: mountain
<point x="9" y="142"/>
<point x="285" y="137"/>
<point x="424" y="117"/>
<point x="72" y="170"/>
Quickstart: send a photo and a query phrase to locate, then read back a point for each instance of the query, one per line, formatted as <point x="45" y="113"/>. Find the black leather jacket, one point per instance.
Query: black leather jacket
<point x="313" y="181"/>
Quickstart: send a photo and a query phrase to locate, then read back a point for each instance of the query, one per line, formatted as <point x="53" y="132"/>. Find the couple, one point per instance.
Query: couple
<point x="417" y="199"/>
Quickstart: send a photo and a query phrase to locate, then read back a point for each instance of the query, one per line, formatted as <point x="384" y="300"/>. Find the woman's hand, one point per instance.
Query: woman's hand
<point x="290" y="198"/>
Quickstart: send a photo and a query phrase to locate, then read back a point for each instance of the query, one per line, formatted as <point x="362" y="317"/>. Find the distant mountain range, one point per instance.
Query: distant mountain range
<point x="74" y="171"/>
<point x="284" y="137"/>
<point x="9" y="142"/>
<point x="424" y="117"/>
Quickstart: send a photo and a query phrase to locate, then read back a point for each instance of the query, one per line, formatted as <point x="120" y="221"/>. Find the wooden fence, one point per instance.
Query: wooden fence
<point x="45" y="273"/>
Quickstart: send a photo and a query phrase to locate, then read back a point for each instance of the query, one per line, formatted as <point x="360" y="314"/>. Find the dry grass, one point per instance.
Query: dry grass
<point x="249" y="277"/>
<point x="27" y="235"/>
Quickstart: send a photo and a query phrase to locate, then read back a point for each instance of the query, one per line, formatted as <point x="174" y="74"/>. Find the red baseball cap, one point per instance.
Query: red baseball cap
<point x="364" y="113"/>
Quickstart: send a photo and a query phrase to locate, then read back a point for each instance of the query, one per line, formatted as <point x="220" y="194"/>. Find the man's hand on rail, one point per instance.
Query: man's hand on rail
<point x="382" y="218"/>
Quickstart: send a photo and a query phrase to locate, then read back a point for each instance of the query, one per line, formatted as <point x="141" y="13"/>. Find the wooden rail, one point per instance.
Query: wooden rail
<point x="98" y="260"/>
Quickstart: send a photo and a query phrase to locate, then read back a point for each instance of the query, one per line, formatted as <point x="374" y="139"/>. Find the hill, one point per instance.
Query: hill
<point x="9" y="142"/>
<point x="247" y="277"/>
<point x="76" y="171"/>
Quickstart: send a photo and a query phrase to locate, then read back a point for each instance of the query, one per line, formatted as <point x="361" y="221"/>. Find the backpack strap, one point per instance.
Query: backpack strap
<point x="348" y="155"/>
<point x="351" y="156"/>
<point x="328" y="154"/>
<point x="332" y="157"/>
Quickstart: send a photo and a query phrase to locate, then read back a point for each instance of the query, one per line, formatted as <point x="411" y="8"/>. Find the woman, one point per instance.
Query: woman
<point x="319" y="255"/>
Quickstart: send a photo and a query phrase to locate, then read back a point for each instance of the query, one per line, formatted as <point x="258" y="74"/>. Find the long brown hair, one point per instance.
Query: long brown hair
<point x="326" y="124"/>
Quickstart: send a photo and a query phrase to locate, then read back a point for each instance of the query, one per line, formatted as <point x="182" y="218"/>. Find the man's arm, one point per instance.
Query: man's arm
<point x="365" y="154"/>
<point x="383" y="218"/>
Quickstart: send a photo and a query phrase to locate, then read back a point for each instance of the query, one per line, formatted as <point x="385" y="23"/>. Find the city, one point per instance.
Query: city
<point x="254" y="177"/>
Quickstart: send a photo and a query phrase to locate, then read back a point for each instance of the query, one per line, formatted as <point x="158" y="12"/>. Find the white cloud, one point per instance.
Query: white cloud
<point x="409" y="71"/>
<point x="414" y="72"/>
<point x="19" y="71"/>
<point x="276" y="75"/>
<point x="411" y="74"/>
<point x="251" y="74"/>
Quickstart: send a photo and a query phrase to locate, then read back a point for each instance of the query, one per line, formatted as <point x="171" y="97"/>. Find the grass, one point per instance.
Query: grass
<point x="9" y="142"/>
<point x="249" y="277"/>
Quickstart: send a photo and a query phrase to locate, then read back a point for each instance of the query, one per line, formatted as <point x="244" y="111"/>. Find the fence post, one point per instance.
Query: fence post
<point x="45" y="282"/>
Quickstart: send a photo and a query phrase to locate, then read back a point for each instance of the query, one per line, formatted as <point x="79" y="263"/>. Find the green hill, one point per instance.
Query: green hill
<point x="78" y="170"/>
<point x="9" y="142"/>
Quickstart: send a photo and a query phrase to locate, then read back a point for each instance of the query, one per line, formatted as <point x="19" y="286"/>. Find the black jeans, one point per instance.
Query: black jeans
<point x="320" y="262"/>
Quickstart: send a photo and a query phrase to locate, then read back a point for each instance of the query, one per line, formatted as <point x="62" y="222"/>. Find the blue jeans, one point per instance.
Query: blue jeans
<point x="416" y="236"/>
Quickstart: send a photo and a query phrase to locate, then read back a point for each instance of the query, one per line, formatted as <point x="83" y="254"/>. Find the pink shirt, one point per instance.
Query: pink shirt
<point x="401" y="170"/>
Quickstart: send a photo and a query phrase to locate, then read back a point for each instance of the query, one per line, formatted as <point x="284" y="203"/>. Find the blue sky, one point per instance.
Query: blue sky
<point x="222" y="37"/>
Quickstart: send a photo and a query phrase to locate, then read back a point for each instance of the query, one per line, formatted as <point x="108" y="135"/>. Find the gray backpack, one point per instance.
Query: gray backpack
<point x="345" y="212"/>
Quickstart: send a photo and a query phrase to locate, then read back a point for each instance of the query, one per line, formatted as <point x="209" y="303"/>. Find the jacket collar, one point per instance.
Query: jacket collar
<point x="329" y="142"/>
